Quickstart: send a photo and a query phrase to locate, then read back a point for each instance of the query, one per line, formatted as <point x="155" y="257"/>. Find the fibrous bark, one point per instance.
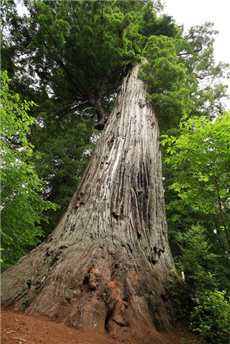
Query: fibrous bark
<point x="106" y="264"/>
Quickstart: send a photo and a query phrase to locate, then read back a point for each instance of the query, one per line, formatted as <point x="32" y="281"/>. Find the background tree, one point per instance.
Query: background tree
<point x="205" y="77"/>
<point x="194" y="261"/>
<point x="22" y="206"/>
<point x="199" y="156"/>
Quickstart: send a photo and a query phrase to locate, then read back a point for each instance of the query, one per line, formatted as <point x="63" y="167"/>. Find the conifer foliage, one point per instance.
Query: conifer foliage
<point x="121" y="68"/>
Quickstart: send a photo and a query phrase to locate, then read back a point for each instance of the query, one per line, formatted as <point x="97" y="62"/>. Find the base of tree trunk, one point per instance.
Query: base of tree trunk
<point x="98" y="288"/>
<point x="107" y="264"/>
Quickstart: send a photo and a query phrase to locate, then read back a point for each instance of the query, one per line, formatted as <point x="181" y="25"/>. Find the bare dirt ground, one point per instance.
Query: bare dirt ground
<point x="18" y="328"/>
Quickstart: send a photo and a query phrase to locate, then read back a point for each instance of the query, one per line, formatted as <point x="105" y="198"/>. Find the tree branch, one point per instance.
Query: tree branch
<point x="61" y="108"/>
<point x="223" y="331"/>
<point x="187" y="53"/>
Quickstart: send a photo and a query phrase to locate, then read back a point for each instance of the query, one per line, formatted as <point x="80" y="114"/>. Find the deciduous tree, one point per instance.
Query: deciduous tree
<point x="201" y="158"/>
<point x="22" y="206"/>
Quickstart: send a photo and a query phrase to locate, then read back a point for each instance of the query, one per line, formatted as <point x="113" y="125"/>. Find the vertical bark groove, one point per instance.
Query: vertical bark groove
<point x="106" y="264"/>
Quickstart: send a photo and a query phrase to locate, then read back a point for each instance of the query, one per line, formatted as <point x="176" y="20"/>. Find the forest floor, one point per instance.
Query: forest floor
<point x="18" y="328"/>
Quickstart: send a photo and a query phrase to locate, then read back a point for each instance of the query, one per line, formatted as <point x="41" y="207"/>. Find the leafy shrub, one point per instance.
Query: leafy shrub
<point x="196" y="296"/>
<point x="211" y="318"/>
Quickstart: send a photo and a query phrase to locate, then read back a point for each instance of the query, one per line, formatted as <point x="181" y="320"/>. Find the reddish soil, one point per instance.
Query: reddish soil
<point x="19" y="328"/>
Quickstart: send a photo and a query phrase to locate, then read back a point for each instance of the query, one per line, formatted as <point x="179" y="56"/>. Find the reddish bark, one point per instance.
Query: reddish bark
<point x="106" y="265"/>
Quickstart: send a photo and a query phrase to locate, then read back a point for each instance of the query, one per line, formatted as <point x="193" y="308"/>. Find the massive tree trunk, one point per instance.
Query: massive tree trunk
<point x="106" y="265"/>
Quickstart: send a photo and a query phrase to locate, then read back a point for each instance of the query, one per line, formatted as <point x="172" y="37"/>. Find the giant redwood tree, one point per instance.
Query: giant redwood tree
<point x="106" y="265"/>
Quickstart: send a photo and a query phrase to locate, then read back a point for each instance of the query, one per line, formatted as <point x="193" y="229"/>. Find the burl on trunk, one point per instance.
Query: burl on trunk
<point x="106" y="264"/>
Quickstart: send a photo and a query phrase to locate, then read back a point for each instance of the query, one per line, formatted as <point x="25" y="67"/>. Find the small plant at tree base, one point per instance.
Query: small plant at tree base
<point x="211" y="318"/>
<point x="194" y="260"/>
<point x="178" y="292"/>
<point x="193" y="265"/>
